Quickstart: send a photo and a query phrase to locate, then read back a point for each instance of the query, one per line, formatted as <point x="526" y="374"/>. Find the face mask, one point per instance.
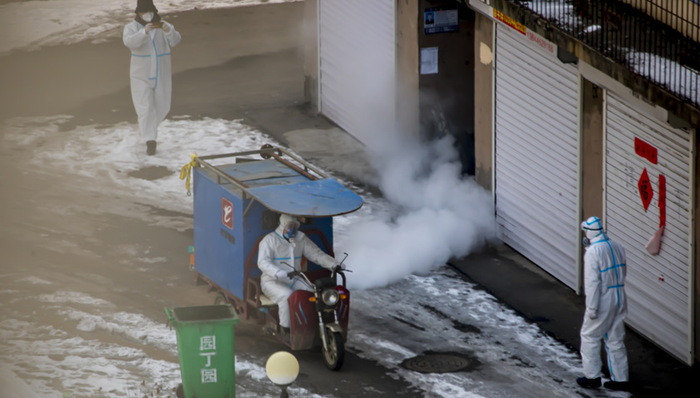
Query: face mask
<point x="290" y="233"/>
<point x="148" y="17"/>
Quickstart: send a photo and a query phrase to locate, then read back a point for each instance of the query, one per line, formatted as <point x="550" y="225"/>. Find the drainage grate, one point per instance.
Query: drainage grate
<point x="438" y="363"/>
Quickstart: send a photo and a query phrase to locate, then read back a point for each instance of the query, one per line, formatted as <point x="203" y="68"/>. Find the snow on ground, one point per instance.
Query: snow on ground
<point x="469" y="321"/>
<point x="55" y="22"/>
<point x="110" y="355"/>
<point x="111" y="155"/>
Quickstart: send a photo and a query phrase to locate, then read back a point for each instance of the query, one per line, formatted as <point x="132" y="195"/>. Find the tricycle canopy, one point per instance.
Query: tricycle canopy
<point x="284" y="186"/>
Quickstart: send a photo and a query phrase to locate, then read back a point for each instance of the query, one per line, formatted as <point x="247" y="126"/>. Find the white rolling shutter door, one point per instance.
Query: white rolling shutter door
<point x="658" y="286"/>
<point x="357" y="65"/>
<point x="536" y="171"/>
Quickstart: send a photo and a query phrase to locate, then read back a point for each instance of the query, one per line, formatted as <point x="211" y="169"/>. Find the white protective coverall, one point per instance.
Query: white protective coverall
<point x="274" y="250"/>
<point x="605" y="267"/>
<point x="151" y="74"/>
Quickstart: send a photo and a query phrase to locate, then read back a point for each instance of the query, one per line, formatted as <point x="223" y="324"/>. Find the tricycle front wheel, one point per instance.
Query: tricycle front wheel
<point x="334" y="354"/>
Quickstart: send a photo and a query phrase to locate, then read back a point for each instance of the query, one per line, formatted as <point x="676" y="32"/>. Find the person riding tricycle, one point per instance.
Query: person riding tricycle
<point x="316" y="306"/>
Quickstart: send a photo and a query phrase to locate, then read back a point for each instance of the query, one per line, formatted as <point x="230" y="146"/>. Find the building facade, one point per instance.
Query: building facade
<point x="562" y="109"/>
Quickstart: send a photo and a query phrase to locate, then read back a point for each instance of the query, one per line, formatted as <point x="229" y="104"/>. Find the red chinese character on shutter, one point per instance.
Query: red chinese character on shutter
<point x="645" y="150"/>
<point x="662" y="201"/>
<point x="645" y="190"/>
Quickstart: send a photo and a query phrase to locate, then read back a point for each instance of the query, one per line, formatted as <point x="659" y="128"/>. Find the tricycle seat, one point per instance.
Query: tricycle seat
<point x="255" y="297"/>
<point x="265" y="301"/>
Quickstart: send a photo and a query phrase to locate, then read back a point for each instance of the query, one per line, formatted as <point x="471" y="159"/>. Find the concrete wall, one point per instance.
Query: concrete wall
<point x="483" y="100"/>
<point x="407" y="62"/>
<point x="591" y="155"/>
<point x="310" y="46"/>
<point x="591" y="150"/>
<point x="696" y="242"/>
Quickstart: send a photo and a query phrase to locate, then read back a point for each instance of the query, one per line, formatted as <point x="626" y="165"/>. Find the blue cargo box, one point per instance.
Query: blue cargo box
<point x="236" y="205"/>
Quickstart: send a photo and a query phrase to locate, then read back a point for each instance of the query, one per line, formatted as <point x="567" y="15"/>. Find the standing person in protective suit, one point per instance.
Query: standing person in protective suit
<point x="149" y="38"/>
<point x="605" y="267"/>
<point x="287" y="245"/>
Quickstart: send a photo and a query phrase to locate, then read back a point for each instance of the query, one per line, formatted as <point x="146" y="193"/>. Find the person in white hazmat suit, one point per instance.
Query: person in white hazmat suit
<point x="149" y="38"/>
<point x="605" y="268"/>
<point x="287" y="245"/>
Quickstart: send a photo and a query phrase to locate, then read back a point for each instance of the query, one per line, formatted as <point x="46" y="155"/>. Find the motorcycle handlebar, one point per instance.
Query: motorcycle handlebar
<point x="334" y="272"/>
<point x="306" y="279"/>
<point x="338" y="272"/>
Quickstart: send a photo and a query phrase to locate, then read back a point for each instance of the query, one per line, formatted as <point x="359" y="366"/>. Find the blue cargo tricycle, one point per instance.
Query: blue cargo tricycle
<point x="236" y="204"/>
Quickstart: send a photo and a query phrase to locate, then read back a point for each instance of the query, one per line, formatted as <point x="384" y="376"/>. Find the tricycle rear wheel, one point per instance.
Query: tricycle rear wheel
<point x="335" y="354"/>
<point x="220" y="299"/>
<point x="180" y="391"/>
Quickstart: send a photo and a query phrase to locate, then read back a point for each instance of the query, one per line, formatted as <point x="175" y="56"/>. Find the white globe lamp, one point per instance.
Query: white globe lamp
<point x="282" y="368"/>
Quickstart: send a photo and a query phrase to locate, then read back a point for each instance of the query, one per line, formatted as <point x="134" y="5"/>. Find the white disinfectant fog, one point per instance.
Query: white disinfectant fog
<point x="436" y="212"/>
<point x="439" y="215"/>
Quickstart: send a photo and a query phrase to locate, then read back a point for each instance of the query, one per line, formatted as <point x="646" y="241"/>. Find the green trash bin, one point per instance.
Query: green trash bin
<point x="205" y="348"/>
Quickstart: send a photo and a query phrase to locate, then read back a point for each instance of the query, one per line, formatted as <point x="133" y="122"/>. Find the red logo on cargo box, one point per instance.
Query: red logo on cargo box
<point x="227" y="213"/>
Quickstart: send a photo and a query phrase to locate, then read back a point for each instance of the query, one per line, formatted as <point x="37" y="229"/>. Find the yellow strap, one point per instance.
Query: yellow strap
<point x="186" y="172"/>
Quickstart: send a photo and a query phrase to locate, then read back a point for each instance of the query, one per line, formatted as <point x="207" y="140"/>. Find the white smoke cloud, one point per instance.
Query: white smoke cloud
<point x="439" y="213"/>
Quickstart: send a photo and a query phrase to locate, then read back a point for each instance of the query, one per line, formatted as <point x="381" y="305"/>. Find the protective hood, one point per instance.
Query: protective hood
<point x="593" y="228"/>
<point x="287" y="220"/>
<point x="145" y="6"/>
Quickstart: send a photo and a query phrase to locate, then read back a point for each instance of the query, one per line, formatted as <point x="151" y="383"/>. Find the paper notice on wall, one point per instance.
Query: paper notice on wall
<point x="436" y="20"/>
<point x="428" y="61"/>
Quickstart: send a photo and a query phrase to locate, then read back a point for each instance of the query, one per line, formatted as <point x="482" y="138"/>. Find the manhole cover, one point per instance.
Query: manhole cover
<point x="437" y="363"/>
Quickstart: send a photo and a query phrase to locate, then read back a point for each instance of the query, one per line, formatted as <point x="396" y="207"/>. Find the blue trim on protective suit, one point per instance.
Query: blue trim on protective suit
<point x="608" y="356"/>
<point x="155" y="50"/>
<point x="284" y="258"/>
<point x="614" y="267"/>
